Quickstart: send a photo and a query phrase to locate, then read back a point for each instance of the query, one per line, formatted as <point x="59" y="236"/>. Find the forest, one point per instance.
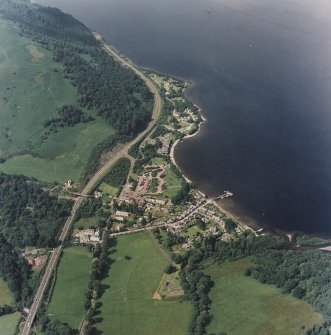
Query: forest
<point x="29" y="216"/>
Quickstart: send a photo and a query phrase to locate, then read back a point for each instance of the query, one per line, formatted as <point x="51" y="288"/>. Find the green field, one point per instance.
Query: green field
<point x="8" y="323"/>
<point x="111" y="190"/>
<point x="127" y="306"/>
<point x="243" y="306"/>
<point x="6" y="297"/>
<point x="73" y="274"/>
<point x="32" y="87"/>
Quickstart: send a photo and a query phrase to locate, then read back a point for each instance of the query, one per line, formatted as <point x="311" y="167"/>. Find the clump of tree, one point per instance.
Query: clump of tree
<point x="118" y="173"/>
<point x="182" y="195"/>
<point x="169" y="269"/>
<point x="55" y="327"/>
<point x="68" y="117"/>
<point x="15" y="271"/>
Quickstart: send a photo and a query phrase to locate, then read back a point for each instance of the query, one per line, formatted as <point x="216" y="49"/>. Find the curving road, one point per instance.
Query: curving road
<point x="116" y="154"/>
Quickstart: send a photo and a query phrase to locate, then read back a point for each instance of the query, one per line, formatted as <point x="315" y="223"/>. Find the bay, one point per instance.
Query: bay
<point x="261" y="72"/>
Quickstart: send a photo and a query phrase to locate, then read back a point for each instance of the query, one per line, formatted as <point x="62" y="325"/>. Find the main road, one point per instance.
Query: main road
<point x="121" y="151"/>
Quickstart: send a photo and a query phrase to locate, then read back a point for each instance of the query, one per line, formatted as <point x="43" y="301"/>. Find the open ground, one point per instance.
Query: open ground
<point x="128" y="306"/>
<point x="243" y="306"/>
<point x="8" y="323"/>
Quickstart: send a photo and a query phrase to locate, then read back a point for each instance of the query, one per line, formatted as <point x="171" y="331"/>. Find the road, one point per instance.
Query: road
<point x="122" y="152"/>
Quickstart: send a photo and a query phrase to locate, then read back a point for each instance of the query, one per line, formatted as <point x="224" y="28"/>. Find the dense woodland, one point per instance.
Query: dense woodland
<point x="103" y="85"/>
<point x="118" y="173"/>
<point x="29" y="216"/>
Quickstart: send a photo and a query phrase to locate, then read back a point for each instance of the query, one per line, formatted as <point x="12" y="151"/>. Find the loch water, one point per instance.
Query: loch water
<point x="261" y="72"/>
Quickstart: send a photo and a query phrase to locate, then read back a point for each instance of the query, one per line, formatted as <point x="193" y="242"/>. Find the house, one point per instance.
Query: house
<point x="156" y="201"/>
<point x="68" y="184"/>
<point x="30" y="261"/>
<point x="97" y="194"/>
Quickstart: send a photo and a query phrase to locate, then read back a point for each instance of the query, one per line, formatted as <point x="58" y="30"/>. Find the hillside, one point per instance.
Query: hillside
<point x="50" y="63"/>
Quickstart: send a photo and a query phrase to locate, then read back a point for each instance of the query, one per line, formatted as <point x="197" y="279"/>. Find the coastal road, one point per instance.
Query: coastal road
<point x="116" y="154"/>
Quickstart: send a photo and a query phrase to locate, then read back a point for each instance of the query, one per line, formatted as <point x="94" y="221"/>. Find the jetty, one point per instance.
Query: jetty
<point x="226" y="194"/>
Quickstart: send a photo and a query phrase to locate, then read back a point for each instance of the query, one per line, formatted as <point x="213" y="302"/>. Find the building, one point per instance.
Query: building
<point x="122" y="214"/>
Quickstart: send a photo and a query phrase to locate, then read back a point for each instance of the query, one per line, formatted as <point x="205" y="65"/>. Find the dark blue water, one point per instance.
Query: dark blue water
<point x="262" y="75"/>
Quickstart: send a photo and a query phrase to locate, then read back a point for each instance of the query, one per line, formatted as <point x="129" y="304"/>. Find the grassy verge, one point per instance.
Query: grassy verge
<point x="243" y="306"/>
<point x="67" y="302"/>
<point x="127" y="306"/>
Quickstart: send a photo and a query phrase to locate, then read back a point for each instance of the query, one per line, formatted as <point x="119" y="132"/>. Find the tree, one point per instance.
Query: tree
<point x="170" y="269"/>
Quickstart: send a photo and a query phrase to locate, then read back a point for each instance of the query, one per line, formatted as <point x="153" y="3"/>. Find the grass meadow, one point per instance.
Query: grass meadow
<point x="243" y="306"/>
<point x="172" y="183"/>
<point x="127" y="305"/>
<point x="32" y="87"/>
<point x="8" y="323"/>
<point x="6" y="297"/>
<point x="68" y="297"/>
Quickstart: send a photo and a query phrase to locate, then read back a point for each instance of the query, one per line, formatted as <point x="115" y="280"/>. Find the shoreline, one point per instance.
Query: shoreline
<point x="241" y="223"/>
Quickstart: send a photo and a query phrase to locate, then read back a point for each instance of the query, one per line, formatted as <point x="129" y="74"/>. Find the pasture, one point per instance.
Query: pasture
<point x="127" y="305"/>
<point x="68" y="297"/>
<point x="32" y="87"/>
<point x="243" y="306"/>
<point x="8" y="323"/>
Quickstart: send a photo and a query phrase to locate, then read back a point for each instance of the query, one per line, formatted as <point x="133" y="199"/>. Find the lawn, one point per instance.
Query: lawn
<point x="243" y="306"/>
<point x="73" y="274"/>
<point x="32" y="87"/>
<point x="192" y="231"/>
<point x="8" y="323"/>
<point x="6" y="297"/>
<point x="127" y="306"/>
<point x="87" y="223"/>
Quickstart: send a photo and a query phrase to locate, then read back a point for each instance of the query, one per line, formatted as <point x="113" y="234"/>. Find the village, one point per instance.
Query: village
<point x="150" y="196"/>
